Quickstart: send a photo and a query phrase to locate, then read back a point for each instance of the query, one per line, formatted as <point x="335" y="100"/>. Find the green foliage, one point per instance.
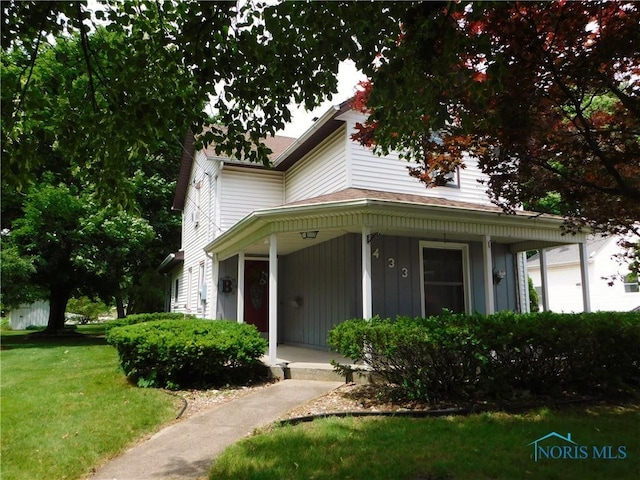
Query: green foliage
<point x="89" y="309"/>
<point x="146" y="317"/>
<point x="66" y="408"/>
<point x="16" y="272"/>
<point x="505" y="355"/>
<point x="189" y="353"/>
<point x="534" y="304"/>
<point x="482" y="446"/>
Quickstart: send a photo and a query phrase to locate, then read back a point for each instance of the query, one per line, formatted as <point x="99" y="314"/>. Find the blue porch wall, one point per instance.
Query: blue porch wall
<point x="321" y="286"/>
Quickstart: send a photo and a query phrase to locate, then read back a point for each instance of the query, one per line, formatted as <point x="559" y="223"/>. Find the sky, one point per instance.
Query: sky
<point x="348" y="78"/>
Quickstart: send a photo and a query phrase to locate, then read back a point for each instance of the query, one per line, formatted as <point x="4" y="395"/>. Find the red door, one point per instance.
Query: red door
<point x="256" y="294"/>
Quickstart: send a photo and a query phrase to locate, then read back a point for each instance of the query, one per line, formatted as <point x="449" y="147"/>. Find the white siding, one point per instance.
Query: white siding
<point x="322" y="171"/>
<point x="199" y="227"/>
<point x="33" y="315"/>
<point x="244" y="190"/>
<point x="389" y="173"/>
<point x="565" y="293"/>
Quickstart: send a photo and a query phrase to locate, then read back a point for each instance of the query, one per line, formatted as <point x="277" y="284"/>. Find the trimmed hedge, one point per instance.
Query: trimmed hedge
<point x="145" y="317"/>
<point x="502" y="356"/>
<point x="188" y="353"/>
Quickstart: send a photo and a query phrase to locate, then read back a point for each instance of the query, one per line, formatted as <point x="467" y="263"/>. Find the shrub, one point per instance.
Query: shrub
<point x="188" y="353"/>
<point x="145" y="317"/>
<point x="87" y="310"/>
<point x="499" y="356"/>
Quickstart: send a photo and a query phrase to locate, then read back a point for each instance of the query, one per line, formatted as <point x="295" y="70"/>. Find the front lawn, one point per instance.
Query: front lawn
<point x="485" y="446"/>
<point x="67" y="407"/>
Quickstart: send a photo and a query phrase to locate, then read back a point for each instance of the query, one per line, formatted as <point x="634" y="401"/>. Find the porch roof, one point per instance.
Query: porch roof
<point x="387" y="213"/>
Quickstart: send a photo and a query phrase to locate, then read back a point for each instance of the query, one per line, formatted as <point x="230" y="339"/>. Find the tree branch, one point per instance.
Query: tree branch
<point x="84" y="41"/>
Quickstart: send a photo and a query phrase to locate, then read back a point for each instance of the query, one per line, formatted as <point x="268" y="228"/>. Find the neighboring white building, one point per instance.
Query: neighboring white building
<point x="332" y="232"/>
<point x="33" y="315"/>
<point x="565" y="283"/>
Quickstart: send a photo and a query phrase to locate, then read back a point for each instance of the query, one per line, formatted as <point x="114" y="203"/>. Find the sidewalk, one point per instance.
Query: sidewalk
<point x="185" y="450"/>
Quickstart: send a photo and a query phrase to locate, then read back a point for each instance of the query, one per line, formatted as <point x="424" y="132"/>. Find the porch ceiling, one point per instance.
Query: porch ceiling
<point x="524" y="231"/>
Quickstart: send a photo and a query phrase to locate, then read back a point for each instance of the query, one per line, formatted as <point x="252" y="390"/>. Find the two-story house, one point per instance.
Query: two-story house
<point x="332" y="231"/>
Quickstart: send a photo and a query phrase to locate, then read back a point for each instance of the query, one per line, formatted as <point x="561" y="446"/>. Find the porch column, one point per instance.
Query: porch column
<point x="367" y="308"/>
<point x="240" y="287"/>
<point x="584" y="274"/>
<point x="544" y="285"/>
<point x="488" y="275"/>
<point x="273" y="298"/>
<point x="214" y="292"/>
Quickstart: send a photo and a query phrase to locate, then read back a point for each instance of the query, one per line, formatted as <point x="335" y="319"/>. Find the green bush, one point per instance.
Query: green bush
<point x="505" y="355"/>
<point x="146" y="317"/>
<point x="188" y="353"/>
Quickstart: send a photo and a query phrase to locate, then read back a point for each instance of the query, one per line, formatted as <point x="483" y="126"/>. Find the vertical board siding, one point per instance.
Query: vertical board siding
<point x="35" y="314"/>
<point x="317" y="291"/>
<point x="227" y="308"/>
<point x="506" y="291"/>
<point x="245" y="190"/>
<point x="394" y="294"/>
<point x="322" y="171"/>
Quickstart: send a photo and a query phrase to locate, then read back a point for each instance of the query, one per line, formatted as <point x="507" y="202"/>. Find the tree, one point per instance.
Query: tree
<point x="48" y="235"/>
<point x="544" y="94"/>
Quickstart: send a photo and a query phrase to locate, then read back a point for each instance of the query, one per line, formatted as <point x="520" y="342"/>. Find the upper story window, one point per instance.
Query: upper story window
<point x="195" y="216"/>
<point x="631" y="283"/>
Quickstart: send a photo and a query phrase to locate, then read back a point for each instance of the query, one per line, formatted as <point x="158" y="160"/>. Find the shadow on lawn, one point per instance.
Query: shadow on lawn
<point x="40" y="340"/>
<point x="490" y="445"/>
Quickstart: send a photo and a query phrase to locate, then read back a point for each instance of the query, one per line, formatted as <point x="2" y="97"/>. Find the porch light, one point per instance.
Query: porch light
<point x="498" y="275"/>
<point x="309" y="235"/>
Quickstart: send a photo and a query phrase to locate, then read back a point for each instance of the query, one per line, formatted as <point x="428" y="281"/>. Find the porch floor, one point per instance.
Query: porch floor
<point x="307" y="364"/>
<point x="300" y="357"/>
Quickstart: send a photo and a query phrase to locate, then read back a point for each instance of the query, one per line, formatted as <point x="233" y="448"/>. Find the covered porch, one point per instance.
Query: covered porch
<point x="378" y="229"/>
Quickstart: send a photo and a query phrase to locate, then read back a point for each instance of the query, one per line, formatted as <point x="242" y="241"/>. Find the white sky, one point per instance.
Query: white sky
<point x="348" y="78"/>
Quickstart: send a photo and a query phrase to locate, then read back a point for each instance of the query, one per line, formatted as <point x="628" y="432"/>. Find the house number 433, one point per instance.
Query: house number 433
<point x="391" y="263"/>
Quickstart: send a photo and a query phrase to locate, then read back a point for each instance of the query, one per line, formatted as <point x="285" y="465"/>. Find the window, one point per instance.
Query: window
<point x="189" y="282"/>
<point x="631" y="283"/>
<point x="445" y="285"/>
<point x="195" y="214"/>
<point x="202" y="293"/>
<point x="175" y="290"/>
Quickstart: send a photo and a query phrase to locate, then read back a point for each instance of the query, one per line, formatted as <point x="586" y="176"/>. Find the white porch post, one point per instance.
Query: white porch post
<point x="214" y="292"/>
<point x="273" y="298"/>
<point x="488" y="275"/>
<point x="544" y="285"/>
<point x="240" y="299"/>
<point x="584" y="274"/>
<point x="367" y="308"/>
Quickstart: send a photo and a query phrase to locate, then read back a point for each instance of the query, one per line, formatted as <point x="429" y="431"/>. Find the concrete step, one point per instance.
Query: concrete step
<point x="301" y="372"/>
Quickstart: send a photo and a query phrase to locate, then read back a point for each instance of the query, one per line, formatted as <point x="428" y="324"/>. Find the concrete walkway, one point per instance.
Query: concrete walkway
<point x="186" y="450"/>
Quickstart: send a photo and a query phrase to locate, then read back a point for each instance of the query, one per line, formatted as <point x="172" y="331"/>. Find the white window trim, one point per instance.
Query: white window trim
<point x="466" y="271"/>
<point x="189" y="287"/>
<point x="201" y="279"/>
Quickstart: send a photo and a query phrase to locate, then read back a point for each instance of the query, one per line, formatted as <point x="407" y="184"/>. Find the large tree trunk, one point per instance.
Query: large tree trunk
<point x="58" y="299"/>
<point x="120" y="304"/>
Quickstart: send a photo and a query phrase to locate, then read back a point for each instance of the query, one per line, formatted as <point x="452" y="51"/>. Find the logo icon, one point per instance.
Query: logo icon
<point x="564" y="447"/>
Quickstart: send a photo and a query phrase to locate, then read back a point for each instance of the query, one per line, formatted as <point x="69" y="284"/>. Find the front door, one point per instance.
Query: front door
<point x="256" y="294"/>
<point x="444" y="274"/>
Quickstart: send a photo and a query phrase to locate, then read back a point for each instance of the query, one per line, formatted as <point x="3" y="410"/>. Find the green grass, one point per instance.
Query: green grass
<point x="67" y="407"/>
<point x="485" y="446"/>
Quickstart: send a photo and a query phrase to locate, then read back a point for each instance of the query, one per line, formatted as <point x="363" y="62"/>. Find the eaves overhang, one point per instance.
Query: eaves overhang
<point x="170" y="262"/>
<point x="522" y="231"/>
